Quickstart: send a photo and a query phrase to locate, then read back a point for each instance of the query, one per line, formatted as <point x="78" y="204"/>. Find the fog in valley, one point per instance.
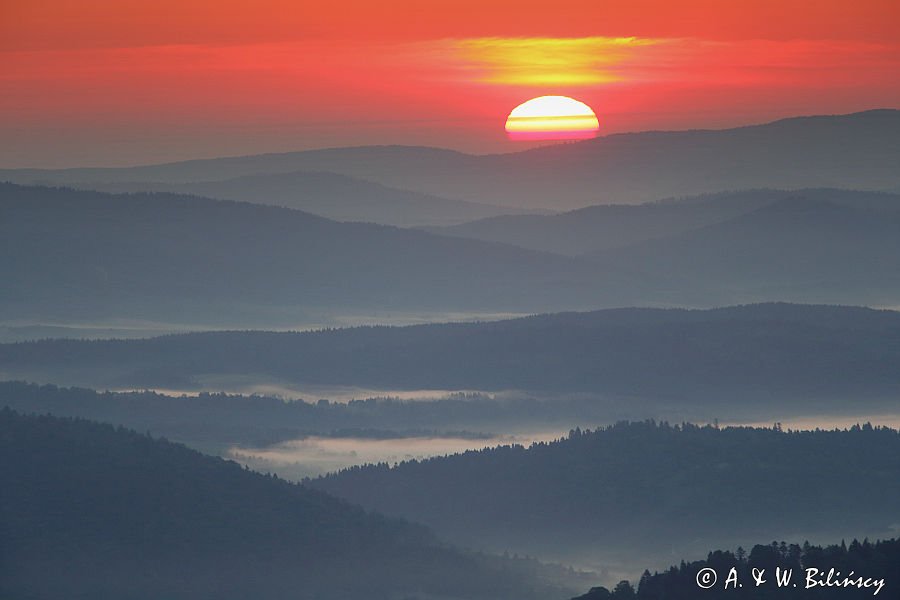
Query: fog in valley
<point x="411" y="373"/>
<point x="314" y="456"/>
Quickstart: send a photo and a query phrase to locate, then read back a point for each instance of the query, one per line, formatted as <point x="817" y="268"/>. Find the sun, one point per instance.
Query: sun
<point x="552" y="118"/>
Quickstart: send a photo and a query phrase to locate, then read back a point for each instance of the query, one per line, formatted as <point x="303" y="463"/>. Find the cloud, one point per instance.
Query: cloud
<point x="547" y="61"/>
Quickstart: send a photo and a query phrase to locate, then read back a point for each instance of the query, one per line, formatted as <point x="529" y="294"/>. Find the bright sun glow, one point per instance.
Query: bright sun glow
<point x="552" y="118"/>
<point x="542" y="61"/>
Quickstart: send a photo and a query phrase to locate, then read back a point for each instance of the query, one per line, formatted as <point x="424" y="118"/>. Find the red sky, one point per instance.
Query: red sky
<point x="133" y="81"/>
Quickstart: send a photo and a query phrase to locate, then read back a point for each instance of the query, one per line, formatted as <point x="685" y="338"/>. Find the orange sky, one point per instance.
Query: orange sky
<point x="134" y="81"/>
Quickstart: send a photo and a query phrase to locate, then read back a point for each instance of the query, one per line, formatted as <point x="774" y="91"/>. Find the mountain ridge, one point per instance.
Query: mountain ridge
<point x="713" y="358"/>
<point x="599" y="227"/>
<point x="857" y="150"/>
<point x="331" y="195"/>
<point x="654" y="487"/>
<point x="132" y="254"/>
<point x="108" y="512"/>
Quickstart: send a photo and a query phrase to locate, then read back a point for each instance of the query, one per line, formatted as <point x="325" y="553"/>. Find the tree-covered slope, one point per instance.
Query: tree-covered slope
<point x="646" y="489"/>
<point x="90" y="511"/>
<point x="814" y="354"/>
<point x="788" y="571"/>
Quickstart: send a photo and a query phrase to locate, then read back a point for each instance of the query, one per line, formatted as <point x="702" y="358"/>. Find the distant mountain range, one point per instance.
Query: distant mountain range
<point x="330" y="195"/>
<point x="812" y="245"/>
<point x="215" y="422"/>
<point x="796" y="355"/>
<point x="601" y="228"/>
<point x="82" y="253"/>
<point x="90" y="511"/>
<point x="858" y="151"/>
<point x="646" y="489"/>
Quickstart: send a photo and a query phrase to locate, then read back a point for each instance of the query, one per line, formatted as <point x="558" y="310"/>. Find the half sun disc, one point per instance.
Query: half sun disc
<point x="552" y="117"/>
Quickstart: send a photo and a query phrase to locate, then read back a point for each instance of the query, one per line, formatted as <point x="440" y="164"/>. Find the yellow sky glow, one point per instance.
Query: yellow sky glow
<point x="548" y="61"/>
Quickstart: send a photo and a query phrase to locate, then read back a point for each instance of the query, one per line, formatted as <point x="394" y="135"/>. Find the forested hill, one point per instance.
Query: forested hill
<point x="817" y="353"/>
<point x="647" y="488"/>
<point x="89" y="511"/>
<point x="164" y="256"/>
<point x="876" y="565"/>
<point x="214" y="422"/>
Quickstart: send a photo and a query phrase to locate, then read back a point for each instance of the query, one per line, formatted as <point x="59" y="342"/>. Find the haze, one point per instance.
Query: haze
<point x="295" y="304"/>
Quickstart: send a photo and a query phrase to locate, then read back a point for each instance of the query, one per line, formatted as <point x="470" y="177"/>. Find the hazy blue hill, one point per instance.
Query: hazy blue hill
<point x="330" y="195"/>
<point x="811" y="355"/>
<point x="89" y="511"/>
<point x="357" y="161"/>
<point x="216" y="421"/>
<point x="646" y="488"/>
<point x="605" y="226"/>
<point x="596" y="229"/>
<point x="855" y="151"/>
<point x="91" y="256"/>
<point x="590" y="229"/>
<point x="796" y="247"/>
<point x="137" y="255"/>
<point x="858" y="151"/>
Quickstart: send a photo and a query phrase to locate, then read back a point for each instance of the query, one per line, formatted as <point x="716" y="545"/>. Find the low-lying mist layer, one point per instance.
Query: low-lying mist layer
<point x="646" y="491"/>
<point x="315" y="455"/>
<point x="808" y="357"/>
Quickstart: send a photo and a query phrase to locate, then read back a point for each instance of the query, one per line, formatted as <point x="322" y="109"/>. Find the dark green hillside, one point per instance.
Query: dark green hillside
<point x="645" y="488"/>
<point x="872" y="569"/>
<point x="89" y="511"/>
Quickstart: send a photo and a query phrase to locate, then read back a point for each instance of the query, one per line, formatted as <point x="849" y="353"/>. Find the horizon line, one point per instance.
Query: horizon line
<point x="450" y="150"/>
